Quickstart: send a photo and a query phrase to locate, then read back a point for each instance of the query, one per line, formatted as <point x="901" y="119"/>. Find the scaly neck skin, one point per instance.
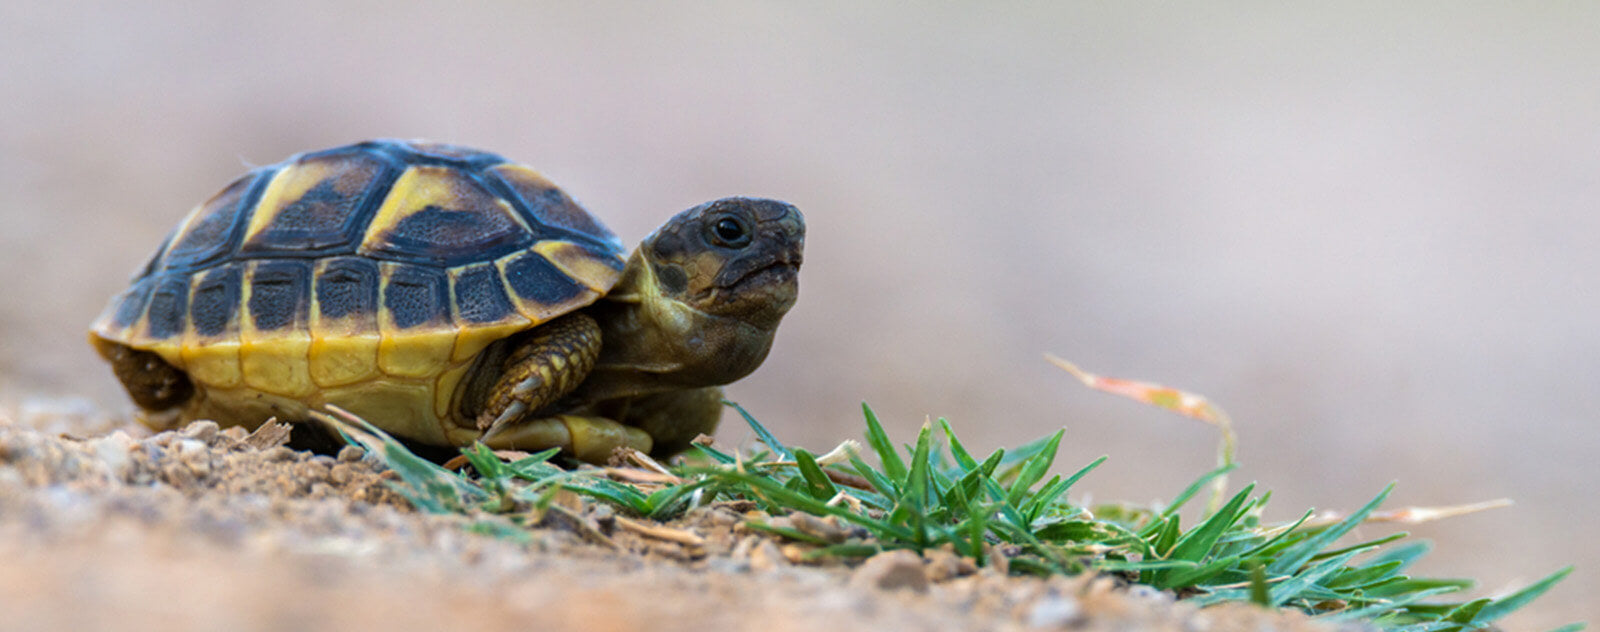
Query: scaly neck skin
<point x="651" y="343"/>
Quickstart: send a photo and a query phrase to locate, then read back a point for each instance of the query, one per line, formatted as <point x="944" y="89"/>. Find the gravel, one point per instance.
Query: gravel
<point x="105" y="526"/>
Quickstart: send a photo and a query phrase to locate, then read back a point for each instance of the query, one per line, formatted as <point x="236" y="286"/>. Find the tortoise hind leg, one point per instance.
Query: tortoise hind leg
<point x="151" y="382"/>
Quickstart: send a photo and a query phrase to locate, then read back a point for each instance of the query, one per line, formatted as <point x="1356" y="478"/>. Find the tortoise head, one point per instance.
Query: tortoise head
<point x="703" y="295"/>
<point x="735" y="258"/>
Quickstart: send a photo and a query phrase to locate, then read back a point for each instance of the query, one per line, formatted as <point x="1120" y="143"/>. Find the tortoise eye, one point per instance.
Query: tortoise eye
<point x="729" y="232"/>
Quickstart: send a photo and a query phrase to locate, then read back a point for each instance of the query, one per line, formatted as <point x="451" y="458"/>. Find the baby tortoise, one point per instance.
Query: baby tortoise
<point x="448" y="296"/>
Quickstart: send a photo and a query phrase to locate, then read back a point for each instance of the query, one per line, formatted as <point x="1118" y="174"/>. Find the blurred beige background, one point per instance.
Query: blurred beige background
<point x="1369" y="233"/>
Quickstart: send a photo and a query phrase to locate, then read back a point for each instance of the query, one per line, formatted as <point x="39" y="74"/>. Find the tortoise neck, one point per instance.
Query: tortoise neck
<point x="651" y="342"/>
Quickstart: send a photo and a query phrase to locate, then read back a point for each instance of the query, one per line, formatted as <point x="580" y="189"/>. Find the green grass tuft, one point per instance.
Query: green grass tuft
<point x="935" y="493"/>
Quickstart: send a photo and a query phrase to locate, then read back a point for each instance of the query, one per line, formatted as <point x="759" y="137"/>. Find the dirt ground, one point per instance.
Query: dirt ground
<point x="106" y="526"/>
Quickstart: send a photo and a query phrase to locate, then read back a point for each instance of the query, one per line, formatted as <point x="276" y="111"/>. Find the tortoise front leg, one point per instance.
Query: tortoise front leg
<point x="540" y="370"/>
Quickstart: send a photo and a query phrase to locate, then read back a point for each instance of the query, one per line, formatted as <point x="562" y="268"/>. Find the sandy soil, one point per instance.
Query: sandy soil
<point x="105" y="526"/>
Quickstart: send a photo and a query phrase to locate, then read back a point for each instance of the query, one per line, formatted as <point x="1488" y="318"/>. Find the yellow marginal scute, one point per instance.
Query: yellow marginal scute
<point x="424" y="352"/>
<point x="343" y="350"/>
<point x="170" y="349"/>
<point x="243" y="407"/>
<point x="401" y="407"/>
<point x="343" y="359"/>
<point x="214" y="364"/>
<point x="472" y="339"/>
<point x="278" y="365"/>
<point x="275" y="362"/>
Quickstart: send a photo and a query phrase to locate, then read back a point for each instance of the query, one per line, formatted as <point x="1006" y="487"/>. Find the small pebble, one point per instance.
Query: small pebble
<point x="280" y="453"/>
<point x="1055" y="612"/>
<point x="826" y="528"/>
<point x="204" y="431"/>
<point x="350" y="454"/>
<point x="944" y="565"/>
<point x="766" y="556"/>
<point x="892" y="570"/>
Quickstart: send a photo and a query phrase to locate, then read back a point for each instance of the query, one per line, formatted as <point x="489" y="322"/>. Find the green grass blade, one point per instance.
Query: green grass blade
<point x="1084" y="531"/>
<point x="431" y="488"/>
<point x="880" y="482"/>
<point x="1143" y="565"/>
<point x="713" y="454"/>
<point x="1465" y="613"/>
<point x="917" y="480"/>
<point x="878" y="440"/>
<point x="762" y="433"/>
<point x="1505" y="605"/>
<point x="483" y="459"/>
<point x="977" y="525"/>
<point x="913" y="508"/>
<point x="817" y="482"/>
<point x="962" y="493"/>
<point x="797" y="501"/>
<point x="1167" y="537"/>
<point x="962" y="457"/>
<point x="787" y="532"/>
<point x="1012" y="516"/>
<point x="1392" y="605"/>
<point x="1299" y="554"/>
<point x="846" y="550"/>
<point x="1026" y="451"/>
<point x="1259" y="593"/>
<point x="1364" y="546"/>
<point x="1195" y="545"/>
<point x="1291" y="588"/>
<point x="1366" y="575"/>
<point x="617" y="494"/>
<point x="668" y="502"/>
<point x="1406" y="554"/>
<point x="1050" y="493"/>
<point x="1189" y="492"/>
<point x="1282" y="535"/>
<point x="1034" y="469"/>
<point x="525" y="465"/>
<point x="1195" y="575"/>
<point x="1412" y="584"/>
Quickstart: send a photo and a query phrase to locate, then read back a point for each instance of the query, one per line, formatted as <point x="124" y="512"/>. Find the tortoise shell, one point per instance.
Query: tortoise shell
<point x="368" y="276"/>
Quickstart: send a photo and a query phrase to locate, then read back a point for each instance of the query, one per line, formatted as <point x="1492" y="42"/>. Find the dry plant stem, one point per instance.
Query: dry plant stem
<point x="661" y="533"/>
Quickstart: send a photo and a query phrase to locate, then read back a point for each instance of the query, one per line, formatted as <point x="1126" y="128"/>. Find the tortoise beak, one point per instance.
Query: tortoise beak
<point x="776" y="250"/>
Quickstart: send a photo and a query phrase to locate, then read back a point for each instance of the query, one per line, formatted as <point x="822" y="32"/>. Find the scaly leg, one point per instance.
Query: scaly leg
<point x="541" y="370"/>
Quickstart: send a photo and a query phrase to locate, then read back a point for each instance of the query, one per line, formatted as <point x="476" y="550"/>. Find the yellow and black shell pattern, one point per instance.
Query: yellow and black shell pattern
<point x="367" y="276"/>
